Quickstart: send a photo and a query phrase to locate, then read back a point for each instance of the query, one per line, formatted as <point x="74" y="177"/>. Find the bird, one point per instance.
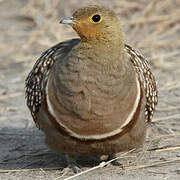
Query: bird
<point x="92" y="95"/>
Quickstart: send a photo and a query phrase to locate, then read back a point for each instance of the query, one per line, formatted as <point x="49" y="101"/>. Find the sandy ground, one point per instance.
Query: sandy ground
<point x="27" y="28"/>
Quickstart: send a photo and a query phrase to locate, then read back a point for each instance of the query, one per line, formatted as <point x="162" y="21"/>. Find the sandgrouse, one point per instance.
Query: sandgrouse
<point x="94" y="95"/>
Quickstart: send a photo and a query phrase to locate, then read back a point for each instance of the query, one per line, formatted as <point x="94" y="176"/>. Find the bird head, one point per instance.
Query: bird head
<point x="95" y="22"/>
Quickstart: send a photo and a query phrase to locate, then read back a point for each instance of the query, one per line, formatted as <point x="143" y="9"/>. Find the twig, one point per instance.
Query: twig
<point x="163" y="136"/>
<point x="151" y="165"/>
<point x="99" y="166"/>
<point x="39" y="154"/>
<point x="12" y="95"/>
<point x="169" y="108"/>
<point x="165" y="149"/>
<point x="166" y="118"/>
<point x="17" y="134"/>
<point x="27" y="170"/>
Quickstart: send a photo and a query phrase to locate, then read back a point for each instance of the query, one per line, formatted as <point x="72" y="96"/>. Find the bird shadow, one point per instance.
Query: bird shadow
<point x="25" y="149"/>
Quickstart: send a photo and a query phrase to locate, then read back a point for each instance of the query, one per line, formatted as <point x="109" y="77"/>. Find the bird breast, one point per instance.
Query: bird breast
<point x="88" y="100"/>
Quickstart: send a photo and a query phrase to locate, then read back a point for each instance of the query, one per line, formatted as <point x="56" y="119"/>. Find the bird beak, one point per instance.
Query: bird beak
<point x="67" y="20"/>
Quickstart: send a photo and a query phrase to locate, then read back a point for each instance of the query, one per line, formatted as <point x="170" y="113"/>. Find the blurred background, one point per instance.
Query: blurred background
<point x="29" y="27"/>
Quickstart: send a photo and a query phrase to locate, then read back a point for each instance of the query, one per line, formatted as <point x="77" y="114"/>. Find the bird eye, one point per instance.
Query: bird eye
<point x="95" y="18"/>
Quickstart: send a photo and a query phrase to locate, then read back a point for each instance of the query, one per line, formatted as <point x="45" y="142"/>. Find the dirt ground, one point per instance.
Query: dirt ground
<point x="27" y="28"/>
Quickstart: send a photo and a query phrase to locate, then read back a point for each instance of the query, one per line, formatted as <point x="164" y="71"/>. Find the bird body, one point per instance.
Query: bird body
<point x="94" y="95"/>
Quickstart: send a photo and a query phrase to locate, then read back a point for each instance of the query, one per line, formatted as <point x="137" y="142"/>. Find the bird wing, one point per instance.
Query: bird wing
<point x="147" y="81"/>
<point x="37" y="78"/>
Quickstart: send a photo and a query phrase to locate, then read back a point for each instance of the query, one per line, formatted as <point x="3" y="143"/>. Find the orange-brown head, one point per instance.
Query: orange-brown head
<point x="95" y="22"/>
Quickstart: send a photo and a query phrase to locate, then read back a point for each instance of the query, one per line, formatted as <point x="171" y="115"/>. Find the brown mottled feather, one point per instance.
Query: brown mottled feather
<point x="147" y="80"/>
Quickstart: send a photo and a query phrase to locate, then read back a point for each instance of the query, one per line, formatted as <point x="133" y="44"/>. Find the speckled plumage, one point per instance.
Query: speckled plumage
<point x="147" y="79"/>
